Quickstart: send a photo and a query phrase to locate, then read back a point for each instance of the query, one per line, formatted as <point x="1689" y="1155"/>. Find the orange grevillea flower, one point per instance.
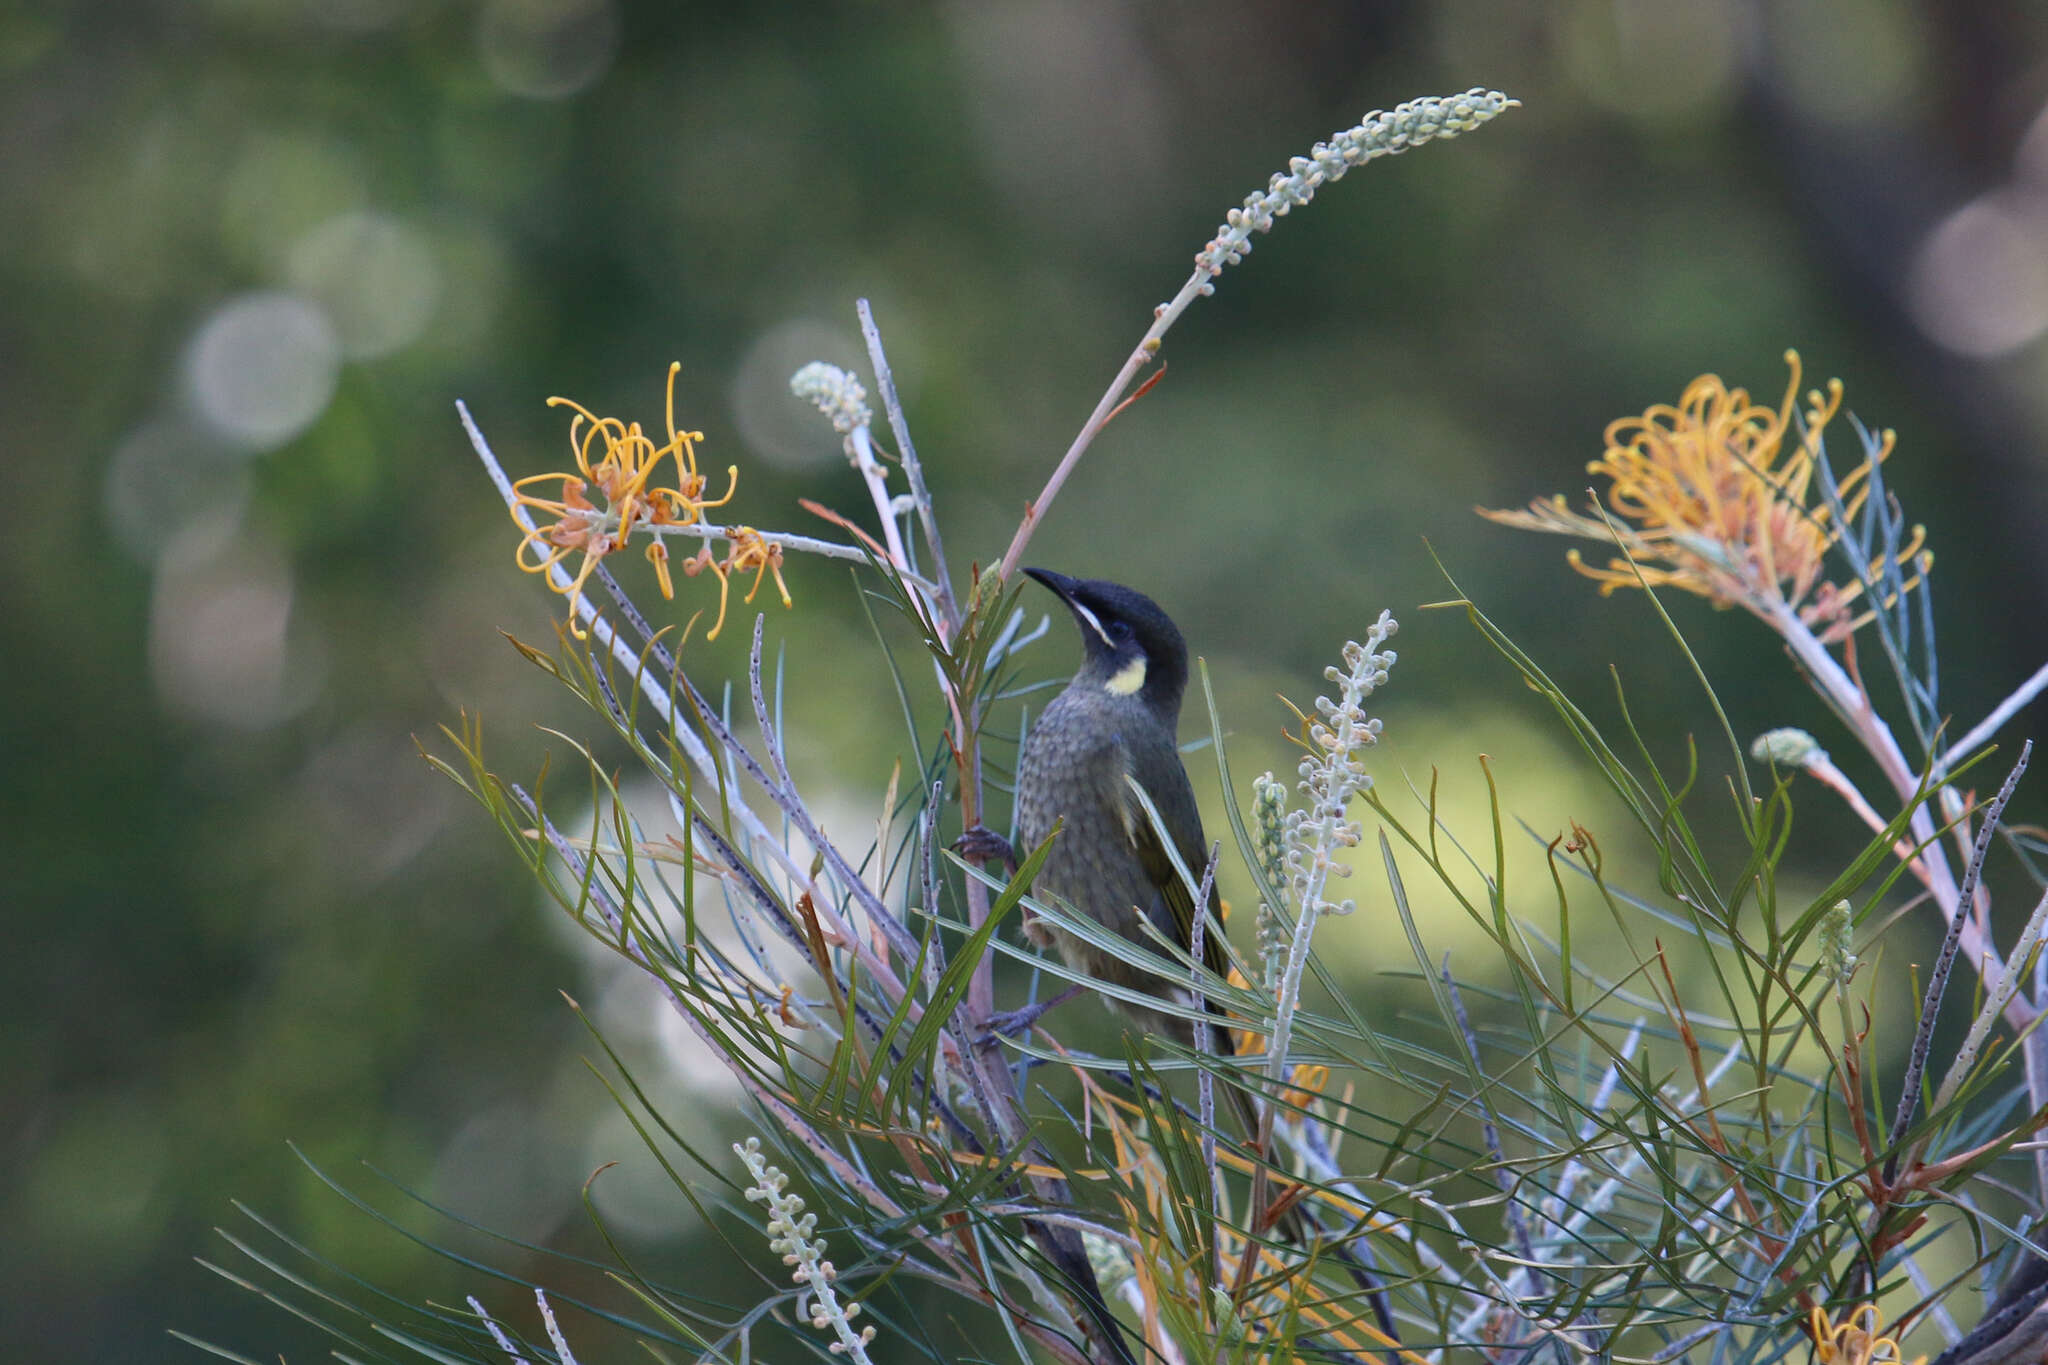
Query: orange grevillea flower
<point x="1716" y="496"/>
<point x="746" y="549"/>
<point x="1308" y="1082"/>
<point x="1856" y="1340"/>
<point x="612" y="492"/>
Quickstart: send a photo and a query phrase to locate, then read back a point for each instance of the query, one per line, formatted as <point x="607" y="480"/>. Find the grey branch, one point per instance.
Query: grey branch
<point x="1937" y="980"/>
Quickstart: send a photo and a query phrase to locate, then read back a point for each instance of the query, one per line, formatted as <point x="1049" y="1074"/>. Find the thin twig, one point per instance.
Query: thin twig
<point x="1554" y="1209"/>
<point x="1502" y="1175"/>
<point x="1772" y="1245"/>
<point x="810" y="545"/>
<point x="649" y="636"/>
<point x="1687" y="1342"/>
<point x="714" y="724"/>
<point x="1996" y="1326"/>
<point x="1205" y="1038"/>
<point x="928" y="875"/>
<point x="787" y="797"/>
<point x="1994" y="1003"/>
<point x="1944" y="1320"/>
<point x="497" y="1332"/>
<point x="862" y="443"/>
<point x="1822" y="769"/>
<point x="547" y="1317"/>
<point x="2035" y="1050"/>
<point x="956" y="1026"/>
<point x="1148" y="347"/>
<point x="1937" y="981"/>
<point x="913" y="471"/>
<point x="1986" y="728"/>
<point x="1852" y="704"/>
<point x="1634" y="1161"/>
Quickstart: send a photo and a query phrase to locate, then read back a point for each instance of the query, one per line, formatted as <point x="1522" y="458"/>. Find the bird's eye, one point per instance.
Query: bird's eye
<point x="1120" y="629"/>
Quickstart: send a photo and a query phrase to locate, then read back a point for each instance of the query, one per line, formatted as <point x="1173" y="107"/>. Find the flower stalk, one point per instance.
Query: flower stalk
<point x="1376" y="135"/>
<point x="789" y="1232"/>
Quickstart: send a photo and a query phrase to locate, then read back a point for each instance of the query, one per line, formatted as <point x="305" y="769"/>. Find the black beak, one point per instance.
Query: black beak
<point x="1067" y="588"/>
<point x="1058" y="582"/>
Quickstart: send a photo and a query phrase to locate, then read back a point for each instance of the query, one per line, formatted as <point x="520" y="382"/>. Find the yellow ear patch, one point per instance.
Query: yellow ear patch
<point x="1128" y="679"/>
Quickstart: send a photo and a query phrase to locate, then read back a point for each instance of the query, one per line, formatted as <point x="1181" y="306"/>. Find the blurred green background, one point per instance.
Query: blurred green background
<point x="251" y="251"/>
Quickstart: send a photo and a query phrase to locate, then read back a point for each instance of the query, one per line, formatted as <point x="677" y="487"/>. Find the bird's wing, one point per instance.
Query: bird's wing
<point x="1167" y="784"/>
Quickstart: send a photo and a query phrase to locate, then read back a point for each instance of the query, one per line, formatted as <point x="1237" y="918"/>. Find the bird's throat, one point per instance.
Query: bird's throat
<point x="1127" y="679"/>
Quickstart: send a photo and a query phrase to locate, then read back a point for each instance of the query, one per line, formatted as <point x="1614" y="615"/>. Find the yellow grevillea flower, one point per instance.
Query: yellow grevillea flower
<point x="746" y="549"/>
<point x="1715" y="496"/>
<point x="1856" y="1340"/>
<point x="1309" y="1080"/>
<point x="616" y="463"/>
<point x="1306" y="1080"/>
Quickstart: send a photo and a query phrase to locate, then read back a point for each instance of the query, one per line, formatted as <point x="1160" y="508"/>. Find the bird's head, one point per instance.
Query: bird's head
<point x="1133" y="648"/>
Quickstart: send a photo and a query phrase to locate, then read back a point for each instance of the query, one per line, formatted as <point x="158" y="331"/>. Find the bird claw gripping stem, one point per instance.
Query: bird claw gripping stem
<point x="981" y="844"/>
<point x="1013" y="1023"/>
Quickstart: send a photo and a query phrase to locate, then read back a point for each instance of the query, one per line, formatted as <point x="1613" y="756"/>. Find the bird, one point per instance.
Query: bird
<point x="1118" y="721"/>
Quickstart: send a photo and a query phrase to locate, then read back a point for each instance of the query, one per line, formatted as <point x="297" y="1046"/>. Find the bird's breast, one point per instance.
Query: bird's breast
<point x="1071" y="774"/>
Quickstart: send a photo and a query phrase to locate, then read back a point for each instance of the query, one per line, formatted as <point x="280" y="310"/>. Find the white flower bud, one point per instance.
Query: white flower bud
<point x="1788" y="748"/>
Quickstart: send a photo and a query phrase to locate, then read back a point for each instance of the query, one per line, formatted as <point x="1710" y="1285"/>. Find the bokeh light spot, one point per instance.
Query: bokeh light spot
<point x="1849" y="61"/>
<point x="375" y="277"/>
<point x="632" y="1193"/>
<point x="283" y="183"/>
<point x="1652" y="62"/>
<point x="262" y="367"/>
<point x="479" y="280"/>
<point x="505" y="1171"/>
<point x="1980" y="283"/>
<point x="217" y="629"/>
<point x="165" y="474"/>
<point x="776" y="424"/>
<point x="547" y="49"/>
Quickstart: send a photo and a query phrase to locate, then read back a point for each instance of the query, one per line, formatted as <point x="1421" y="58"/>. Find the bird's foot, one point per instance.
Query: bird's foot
<point x="981" y="844"/>
<point x="1013" y="1023"/>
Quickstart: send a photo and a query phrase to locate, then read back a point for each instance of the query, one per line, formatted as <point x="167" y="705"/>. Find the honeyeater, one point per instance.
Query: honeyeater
<point x="1117" y="720"/>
